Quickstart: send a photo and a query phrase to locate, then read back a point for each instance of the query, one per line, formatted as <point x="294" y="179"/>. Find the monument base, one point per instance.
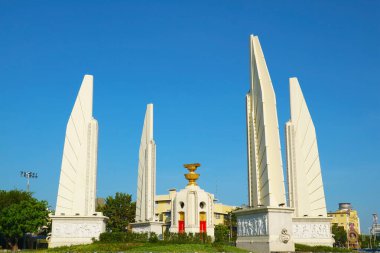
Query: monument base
<point x="265" y="229"/>
<point x="73" y="230"/>
<point x="148" y="227"/>
<point x="312" y="231"/>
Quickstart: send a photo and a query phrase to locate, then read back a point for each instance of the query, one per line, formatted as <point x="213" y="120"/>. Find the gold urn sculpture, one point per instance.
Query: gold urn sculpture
<point x="192" y="176"/>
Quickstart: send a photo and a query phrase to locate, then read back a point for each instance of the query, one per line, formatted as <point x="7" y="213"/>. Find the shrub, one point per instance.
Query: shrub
<point x="302" y="247"/>
<point x="221" y="234"/>
<point x="170" y="238"/>
<point x="123" y="237"/>
<point x="184" y="238"/>
<point x="112" y="237"/>
<point x="153" y="237"/>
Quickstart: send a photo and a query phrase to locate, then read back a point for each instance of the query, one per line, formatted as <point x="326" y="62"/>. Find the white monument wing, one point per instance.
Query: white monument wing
<point x="146" y="181"/>
<point x="265" y="173"/>
<point x="306" y="193"/>
<point x="77" y="183"/>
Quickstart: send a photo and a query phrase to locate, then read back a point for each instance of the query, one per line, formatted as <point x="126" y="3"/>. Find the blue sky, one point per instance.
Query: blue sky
<point x="189" y="58"/>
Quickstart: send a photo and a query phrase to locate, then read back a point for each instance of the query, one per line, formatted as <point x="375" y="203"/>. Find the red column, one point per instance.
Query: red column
<point x="202" y="227"/>
<point x="181" y="226"/>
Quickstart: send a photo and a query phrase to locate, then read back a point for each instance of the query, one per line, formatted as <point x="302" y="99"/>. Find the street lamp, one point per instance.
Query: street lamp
<point x="28" y="175"/>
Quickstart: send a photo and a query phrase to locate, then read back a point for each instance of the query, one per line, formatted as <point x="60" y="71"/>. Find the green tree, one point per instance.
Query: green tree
<point x="120" y="210"/>
<point x="8" y="198"/>
<point x="221" y="233"/>
<point x="26" y="216"/>
<point x="340" y="235"/>
<point x="364" y="241"/>
<point x="231" y="222"/>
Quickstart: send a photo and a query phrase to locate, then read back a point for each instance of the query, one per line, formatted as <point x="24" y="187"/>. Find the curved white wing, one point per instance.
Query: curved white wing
<point x="265" y="172"/>
<point x="306" y="193"/>
<point x="146" y="181"/>
<point x="77" y="183"/>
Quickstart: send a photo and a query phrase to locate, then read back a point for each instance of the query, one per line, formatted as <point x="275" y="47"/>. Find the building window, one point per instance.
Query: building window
<point x="181" y="204"/>
<point x="167" y="217"/>
<point x="217" y="216"/>
<point x="202" y="205"/>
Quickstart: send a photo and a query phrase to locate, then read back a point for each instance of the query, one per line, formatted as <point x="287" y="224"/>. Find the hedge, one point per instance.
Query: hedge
<point x="111" y="237"/>
<point x="302" y="247"/>
<point x="123" y="237"/>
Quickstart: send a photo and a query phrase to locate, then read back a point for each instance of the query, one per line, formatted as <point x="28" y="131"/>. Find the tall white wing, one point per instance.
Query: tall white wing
<point x="77" y="183"/>
<point x="265" y="173"/>
<point x="306" y="193"/>
<point x="146" y="181"/>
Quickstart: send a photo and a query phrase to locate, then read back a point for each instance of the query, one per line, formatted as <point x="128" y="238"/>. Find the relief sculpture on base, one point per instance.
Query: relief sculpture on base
<point x="253" y="226"/>
<point x="77" y="230"/>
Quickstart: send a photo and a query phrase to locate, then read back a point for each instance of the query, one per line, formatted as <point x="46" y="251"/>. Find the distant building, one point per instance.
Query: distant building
<point x="221" y="213"/>
<point x="347" y="218"/>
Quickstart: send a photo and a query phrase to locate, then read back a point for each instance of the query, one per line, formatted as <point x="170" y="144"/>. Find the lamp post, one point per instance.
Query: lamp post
<point x="230" y="214"/>
<point x="28" y="175"/>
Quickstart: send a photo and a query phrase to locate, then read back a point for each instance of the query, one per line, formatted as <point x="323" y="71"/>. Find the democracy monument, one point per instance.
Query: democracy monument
<point x="273" y="220"/>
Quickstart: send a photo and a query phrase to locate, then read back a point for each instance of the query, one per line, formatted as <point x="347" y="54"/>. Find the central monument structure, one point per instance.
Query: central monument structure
<point x="75" y="220"/>
<point x="266" y="225"/>
<point x="192" y="208"/>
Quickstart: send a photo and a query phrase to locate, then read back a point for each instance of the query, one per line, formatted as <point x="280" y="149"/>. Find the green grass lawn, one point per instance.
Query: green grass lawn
<point x="145" y="247"/>
<point x="306" y="248"/>
<point x="99" y="247"/>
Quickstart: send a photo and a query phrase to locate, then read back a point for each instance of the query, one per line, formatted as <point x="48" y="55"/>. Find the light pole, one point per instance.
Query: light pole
<point x="28" y="175"/>
<point x="230" y="214"/>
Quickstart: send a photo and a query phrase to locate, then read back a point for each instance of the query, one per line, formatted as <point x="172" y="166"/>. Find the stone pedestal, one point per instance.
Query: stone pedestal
<point x="265" y="229"/>
<point x="147" y="227"/>
<point x="312" y="231"/>
<point x="73" y="230"/>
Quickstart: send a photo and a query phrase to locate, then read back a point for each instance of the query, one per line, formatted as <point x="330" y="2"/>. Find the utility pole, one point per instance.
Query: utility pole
<point x="28" y="175"/>
<point x="230" y="214"/>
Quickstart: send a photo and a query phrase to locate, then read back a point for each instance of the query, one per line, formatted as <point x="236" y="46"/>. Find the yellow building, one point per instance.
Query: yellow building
<point x="347" y="218"/>
<point x="163" y="206"/>
<point x="163" y="209"/>
<point x="221" y="213"/>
